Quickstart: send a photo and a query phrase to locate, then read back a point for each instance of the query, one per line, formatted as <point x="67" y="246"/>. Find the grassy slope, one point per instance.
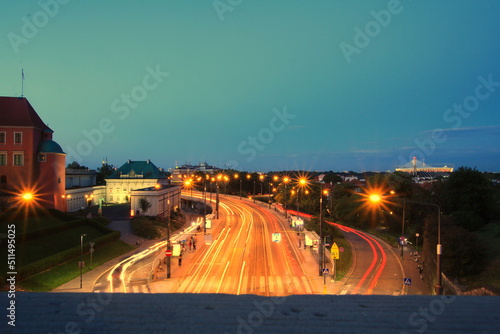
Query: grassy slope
<point x="65" y="272"/>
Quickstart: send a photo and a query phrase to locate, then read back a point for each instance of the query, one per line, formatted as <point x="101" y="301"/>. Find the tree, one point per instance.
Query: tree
<point x="332" y="178"/>
<point x="144" y="204"/>
<point x="104" y="172"/>
<point x="469" y="197"/>
<point x="76" y="165"/>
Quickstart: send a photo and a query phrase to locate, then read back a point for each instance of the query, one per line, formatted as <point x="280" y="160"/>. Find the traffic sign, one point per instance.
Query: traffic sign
<point x="325" y="271"/>
<point x="341" y="249"/>
<point x="335" y="251"/>
<point x="168" y="253"/>
<point x="407" y="281"/>
<point x="276" y="237"/>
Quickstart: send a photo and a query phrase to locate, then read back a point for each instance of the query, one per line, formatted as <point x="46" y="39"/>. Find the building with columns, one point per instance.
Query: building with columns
<point x="131" y="176"/>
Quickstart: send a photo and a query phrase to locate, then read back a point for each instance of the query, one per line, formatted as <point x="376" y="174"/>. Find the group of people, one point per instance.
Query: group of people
<point x="192" y="243"/>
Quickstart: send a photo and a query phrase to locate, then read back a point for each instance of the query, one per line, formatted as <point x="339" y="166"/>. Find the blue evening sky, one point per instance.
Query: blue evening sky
<point x="261" y="85"/>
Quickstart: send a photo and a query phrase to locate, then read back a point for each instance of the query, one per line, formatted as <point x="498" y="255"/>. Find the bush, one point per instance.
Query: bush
<point x="144" y="228"/>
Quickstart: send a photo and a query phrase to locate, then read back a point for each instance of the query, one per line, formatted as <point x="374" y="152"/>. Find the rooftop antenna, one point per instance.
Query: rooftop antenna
<point x="22" y="83"/>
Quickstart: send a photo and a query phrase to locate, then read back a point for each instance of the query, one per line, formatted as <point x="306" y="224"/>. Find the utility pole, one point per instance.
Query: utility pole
<point x="169" y="246"/>
<point x="320" y="248"/>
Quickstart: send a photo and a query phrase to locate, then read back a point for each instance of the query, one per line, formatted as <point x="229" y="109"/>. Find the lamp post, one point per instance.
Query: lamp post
<point x="270" y="184"/>
<point x="261" y="178"/>
<point x="226" y="180"/>
<point x="205" y="208"/>
<point x="285" y="181"/>
<point x="254" y="191"/>
<point x="169" y="245"/>
<point x="81" y="259"/>
<point x="302" y="182"/>
<point x="403" y="228"/>
<point x="237" y="176"/>
<point x="219" y="177"/>
<point x="320" y="248"/>
<point x="418" y="257"/>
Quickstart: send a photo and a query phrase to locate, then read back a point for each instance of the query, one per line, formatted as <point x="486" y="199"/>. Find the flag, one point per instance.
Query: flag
<point x="22" y="71"/>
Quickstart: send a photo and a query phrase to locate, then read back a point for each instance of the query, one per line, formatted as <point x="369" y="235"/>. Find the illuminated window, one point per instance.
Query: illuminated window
<point x="3" y="159"/>
<point x="42" y="158"/>
<point x="18" y="137"/>
<point x="18" y="159"/>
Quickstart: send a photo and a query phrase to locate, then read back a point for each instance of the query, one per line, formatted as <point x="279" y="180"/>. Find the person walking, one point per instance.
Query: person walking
<point x="180" y="259"/>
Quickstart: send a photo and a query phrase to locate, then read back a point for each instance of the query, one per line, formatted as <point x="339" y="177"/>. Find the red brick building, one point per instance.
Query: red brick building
<point x="30" y="161"/>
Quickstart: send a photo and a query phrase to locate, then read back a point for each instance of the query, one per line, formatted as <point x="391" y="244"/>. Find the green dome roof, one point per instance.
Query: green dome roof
<point x="49" y="146"/>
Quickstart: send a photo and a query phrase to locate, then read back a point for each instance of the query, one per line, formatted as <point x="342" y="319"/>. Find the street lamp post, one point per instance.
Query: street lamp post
<point x="418" y="257"/>
<point x="205" y="209"/>
<point x="403" y="229"/>
<point x="320" y="248"/>
<point x="237" y="176"/>
<point x="81" y="259"/>
<point x="169" y="245"/>
<point x="285" y="181"/>
<point x="254" y="191"/>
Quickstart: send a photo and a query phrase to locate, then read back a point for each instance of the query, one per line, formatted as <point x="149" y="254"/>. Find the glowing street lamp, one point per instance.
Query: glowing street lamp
<point x="27" y="196"/>
<point x="321" y="244"/>
<point x="286" y="179"/>
<point x="302" y="182"/>
<point x="237" y="176"/>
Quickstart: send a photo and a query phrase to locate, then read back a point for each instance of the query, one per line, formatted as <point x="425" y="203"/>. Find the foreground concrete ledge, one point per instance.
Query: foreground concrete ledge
<point x="211" y="313"/>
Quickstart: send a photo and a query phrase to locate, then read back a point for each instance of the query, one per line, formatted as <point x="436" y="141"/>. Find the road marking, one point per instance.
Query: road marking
<point x="241" y="276"/>
<point x="222" y="278"/>
<point x="262" y="283"/>
<point x="271" y="284"/>
<point x="306" y="284"/>
<point x="343" y="292"/>
<point x="280" y="285"/>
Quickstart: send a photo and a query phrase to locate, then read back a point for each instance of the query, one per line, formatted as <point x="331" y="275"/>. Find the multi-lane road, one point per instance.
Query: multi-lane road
<point x="243" y="259"/>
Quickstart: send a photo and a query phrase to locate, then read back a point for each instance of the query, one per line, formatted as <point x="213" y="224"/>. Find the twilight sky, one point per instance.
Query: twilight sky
<point x="261" y="85"/>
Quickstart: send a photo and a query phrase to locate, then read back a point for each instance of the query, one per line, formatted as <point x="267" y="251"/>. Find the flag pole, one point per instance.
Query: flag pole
<point x="22" y="82"/>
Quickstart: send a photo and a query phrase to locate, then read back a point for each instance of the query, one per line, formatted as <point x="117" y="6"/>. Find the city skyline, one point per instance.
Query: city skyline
<point x="361" y="86"/>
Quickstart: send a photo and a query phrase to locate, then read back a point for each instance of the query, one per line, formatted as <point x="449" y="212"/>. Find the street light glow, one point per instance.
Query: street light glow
<point x="27" y="196"/>
<point x="375" y="198"/>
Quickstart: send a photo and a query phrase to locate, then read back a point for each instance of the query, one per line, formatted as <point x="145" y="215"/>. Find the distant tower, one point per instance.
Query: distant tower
<point x="414" y="165"/>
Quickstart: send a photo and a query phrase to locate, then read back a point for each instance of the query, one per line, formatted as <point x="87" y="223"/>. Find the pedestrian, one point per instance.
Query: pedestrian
<point x="194" y="245"/>
<point x="189" y="244"/>
<point x="180" y="259"/>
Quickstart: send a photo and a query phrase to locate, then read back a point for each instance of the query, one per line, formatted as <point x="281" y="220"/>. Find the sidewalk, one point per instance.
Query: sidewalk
<point x="418" y="286"/>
